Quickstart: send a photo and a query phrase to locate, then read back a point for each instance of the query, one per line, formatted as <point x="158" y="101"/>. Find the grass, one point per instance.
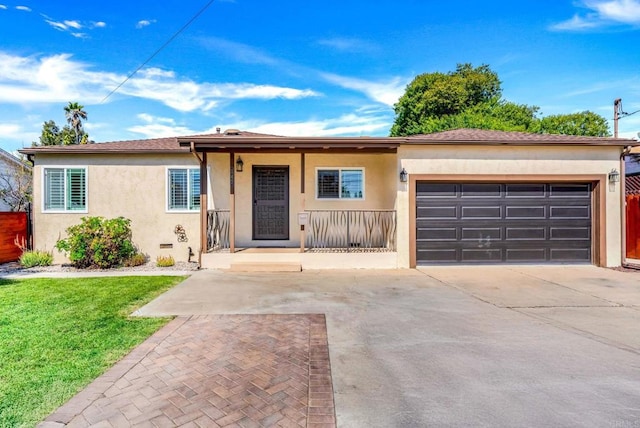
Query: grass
<point x="57" y="335"/>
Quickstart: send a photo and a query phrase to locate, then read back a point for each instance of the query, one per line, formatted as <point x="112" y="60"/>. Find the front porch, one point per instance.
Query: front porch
<point x="336" y="239"/>
<point x="308" y="202"/>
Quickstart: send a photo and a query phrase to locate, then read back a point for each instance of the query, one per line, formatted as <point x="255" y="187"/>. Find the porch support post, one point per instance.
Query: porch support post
<point x="302" y="200"/>
<point x="232" y="203"/>
<point x="204" y="242"/>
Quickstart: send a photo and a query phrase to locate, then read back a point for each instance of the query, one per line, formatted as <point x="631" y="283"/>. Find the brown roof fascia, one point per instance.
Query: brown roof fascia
<point x="261" y="144"/>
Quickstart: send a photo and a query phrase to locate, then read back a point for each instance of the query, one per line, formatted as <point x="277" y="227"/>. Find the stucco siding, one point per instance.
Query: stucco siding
<point x="379" y="187"/>
<point x="511" y="161"/>
<point x="131" y="186"/>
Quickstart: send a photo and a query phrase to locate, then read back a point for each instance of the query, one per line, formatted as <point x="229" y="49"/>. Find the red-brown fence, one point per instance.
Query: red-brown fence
<point x="12" y="224"/>
<point x="633" y="226"/>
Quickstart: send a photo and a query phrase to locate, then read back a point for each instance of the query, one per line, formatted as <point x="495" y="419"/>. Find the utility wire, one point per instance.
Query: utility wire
<point x="184" y="27"/>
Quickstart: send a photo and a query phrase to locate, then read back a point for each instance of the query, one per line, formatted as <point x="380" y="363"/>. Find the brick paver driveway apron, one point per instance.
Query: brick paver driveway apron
<point x="215" y="371"/>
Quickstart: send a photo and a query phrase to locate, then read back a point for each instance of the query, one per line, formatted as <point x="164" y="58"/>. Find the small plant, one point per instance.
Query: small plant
<point x="165" y="261"/>
<point x="31" y="258"/>
<point x="98" y="243"/>
<point x="138" y="259"/>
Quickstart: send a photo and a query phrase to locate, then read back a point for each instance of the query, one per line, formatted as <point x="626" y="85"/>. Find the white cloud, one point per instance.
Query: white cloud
<point x="383" y="92"/>
<point x="2" y="6"/>
<point x="348" y="44"/>
<point x="158" y="127"/>
<point x="239" y="51"/>
<point x="23" y="8"/>
<point x="145" y="23"/>
<point x="59" y="78"/>
<point x="73" y="24"/>
<point x="357" y="123"/>
<point x="14" y="132"/>
<point x="602" y="13"/>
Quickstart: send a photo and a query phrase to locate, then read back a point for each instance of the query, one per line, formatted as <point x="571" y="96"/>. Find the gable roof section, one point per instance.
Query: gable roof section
<point x="489" y="137"/>
<point x="251" y="141"/>
<point x="11" y="159"/>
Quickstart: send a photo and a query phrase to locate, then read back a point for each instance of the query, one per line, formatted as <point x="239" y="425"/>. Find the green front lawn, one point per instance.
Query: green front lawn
<point x="57" y="335"/>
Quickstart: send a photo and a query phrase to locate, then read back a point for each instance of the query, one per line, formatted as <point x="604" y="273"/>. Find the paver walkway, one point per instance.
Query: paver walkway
<point x="215" y="371"/>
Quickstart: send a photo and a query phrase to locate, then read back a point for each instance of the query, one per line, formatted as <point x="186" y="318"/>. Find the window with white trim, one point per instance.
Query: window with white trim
<point x="340" y="183"/>
<point x="65" y="189"/>
<point x="183" y="185"/>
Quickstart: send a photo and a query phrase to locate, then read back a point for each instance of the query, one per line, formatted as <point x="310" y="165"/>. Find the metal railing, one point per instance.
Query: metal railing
<point x="351" y="230"/>
<point x="218" y="230"/>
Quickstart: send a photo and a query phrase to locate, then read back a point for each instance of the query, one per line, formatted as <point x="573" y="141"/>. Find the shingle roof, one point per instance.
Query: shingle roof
<point x="484" y="136"/>
<point x="457" y="136"/>
<point x="152" y="145"/>
<point x="632" y="185"/>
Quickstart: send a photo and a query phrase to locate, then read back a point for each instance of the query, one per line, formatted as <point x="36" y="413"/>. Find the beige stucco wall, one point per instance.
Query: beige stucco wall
<point x="513" y="161"/>
<point x="131" y="186"/>
<point x="380" y="187"/>
<point x="134" y="186"/>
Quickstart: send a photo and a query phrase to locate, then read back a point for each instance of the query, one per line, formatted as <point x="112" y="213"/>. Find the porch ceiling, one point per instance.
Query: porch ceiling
<point x="292" y="144"/>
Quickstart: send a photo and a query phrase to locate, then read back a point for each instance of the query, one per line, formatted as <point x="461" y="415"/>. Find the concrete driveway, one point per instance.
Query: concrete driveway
<point x="456" y="346"/>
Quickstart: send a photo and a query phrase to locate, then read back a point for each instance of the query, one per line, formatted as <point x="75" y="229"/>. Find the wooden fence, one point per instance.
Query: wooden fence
<point x="633" y="226"/>
<point x="12" y="224"/>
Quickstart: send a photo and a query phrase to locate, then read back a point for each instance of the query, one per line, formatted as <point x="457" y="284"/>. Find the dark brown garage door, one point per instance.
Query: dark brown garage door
<point x="503" y="223"/>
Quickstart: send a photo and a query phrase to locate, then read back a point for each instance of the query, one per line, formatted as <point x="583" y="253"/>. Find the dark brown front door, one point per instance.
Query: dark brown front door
<point x="270" y="202"/>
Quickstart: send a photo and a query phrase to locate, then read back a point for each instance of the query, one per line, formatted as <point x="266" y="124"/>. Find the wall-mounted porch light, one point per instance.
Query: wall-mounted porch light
<point x="403" y="175"/>
<point x="239" y="164"/>
<point x="614" y="176"/>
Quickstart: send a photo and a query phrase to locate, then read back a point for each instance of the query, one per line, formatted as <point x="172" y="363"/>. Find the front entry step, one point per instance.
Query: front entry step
<point x="265" y="267"/>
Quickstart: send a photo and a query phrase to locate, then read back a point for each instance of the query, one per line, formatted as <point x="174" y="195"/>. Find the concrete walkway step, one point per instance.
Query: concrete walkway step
<point x="265" y="267"/>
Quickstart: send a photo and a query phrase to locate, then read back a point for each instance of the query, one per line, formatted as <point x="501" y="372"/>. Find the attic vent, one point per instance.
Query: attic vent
<point x="232" y="132"/>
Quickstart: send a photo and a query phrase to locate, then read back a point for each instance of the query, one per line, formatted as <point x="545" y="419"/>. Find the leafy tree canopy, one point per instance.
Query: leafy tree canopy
<point x="72" y="133"/>
<point x="472" y="98"/>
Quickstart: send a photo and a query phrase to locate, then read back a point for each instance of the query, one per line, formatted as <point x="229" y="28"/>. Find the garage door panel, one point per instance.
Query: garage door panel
<point x="509" y="223"/>
<point x="438" y="234"/>
<point x="525" y="212"/>
<point x="481" y="212"/>
<point x="570" y="233"/>
<point x="571" y="212"/>
<point x="481" y="190"/>
<point x="481" y="234"/>
<point x="481" y="255"/>
<point x="437" y="190"/>
<point x="526" y="233"/>
<point x="435" y="212"/>
<point x="569" y="190"/>
<point x="569" y="254"/>
<point x="529" y="191"/>
<point x="438" y="256"/>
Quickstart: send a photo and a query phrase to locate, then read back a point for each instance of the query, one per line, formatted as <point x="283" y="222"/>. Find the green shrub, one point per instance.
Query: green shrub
<point x="138" y="259"/>
<point x="33" y="258"/>
<point x="98" y="243"/>
<point x="165" y="261"/>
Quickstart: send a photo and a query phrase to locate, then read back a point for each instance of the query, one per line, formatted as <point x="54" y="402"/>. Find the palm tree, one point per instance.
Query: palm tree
<point x="75" y="113"/>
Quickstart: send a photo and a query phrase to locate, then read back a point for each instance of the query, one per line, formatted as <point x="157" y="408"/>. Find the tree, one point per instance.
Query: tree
<point x="74" y="112"/>
<point x="15" y="186"/>
<point x="73" y="133"/>
<point x="584" y="123"/>
<point x="472" y="98"/>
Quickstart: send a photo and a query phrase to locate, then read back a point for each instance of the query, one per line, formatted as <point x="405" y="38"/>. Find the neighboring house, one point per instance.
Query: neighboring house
<point x="8" y="165"/>
<point x="461" y="196"/>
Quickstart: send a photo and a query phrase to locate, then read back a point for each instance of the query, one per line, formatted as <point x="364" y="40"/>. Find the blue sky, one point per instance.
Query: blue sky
<point x="318" y="68"/>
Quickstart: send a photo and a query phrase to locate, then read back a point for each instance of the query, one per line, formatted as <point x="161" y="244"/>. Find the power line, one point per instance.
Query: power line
<point x="165" y="44"/>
